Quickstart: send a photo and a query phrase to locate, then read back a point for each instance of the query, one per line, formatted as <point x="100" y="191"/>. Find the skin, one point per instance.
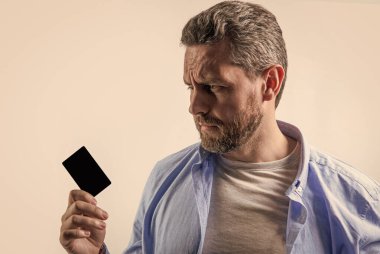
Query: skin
<point x="222" y="90"/>
<point x="218" y="89"/>
<point x="83" y="228"/>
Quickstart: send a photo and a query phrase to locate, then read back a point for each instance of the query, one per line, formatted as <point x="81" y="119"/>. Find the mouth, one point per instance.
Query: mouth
<point x="207" y="127"/>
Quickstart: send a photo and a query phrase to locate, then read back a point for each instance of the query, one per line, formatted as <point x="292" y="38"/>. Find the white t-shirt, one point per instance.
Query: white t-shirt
<point x="248" y="210"/>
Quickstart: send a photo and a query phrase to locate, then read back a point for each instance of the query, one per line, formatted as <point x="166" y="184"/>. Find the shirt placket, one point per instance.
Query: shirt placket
<point x="202" y="176"/>
<point x="297" y="215"/>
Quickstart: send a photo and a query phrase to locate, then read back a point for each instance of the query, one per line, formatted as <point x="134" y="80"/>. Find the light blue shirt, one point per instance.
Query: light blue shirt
<point x="333" y="208"/>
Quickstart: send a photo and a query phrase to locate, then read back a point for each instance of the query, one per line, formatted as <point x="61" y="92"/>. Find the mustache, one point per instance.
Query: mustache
<point x="206" y="119"/>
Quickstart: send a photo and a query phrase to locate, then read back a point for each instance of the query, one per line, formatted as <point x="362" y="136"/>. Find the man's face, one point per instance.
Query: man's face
<point x="224" y="101"/>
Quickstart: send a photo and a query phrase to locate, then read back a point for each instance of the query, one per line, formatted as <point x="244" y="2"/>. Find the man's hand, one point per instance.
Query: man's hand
<point x="83" y="228"/>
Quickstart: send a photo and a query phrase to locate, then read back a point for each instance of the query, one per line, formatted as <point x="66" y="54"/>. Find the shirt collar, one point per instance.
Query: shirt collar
<point x="291" y="131"/>
<point x="300" y="181"/>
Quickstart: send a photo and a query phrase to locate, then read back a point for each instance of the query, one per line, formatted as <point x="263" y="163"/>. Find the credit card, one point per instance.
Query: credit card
<point x="86" y="172"/>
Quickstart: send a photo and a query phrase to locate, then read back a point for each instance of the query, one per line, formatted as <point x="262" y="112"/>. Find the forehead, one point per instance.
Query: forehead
<point x="205" y="60"/>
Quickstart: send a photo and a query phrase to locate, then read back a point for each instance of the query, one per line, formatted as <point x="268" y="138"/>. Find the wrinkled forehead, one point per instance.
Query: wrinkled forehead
<point x="204" y="60"/>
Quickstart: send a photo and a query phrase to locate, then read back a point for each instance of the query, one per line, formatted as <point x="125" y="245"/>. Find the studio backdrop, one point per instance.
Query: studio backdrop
<point x="107" y="74"/>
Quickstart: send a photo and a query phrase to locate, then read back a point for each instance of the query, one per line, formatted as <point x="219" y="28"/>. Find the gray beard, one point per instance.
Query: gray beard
<point x="231" y="137"/>
<point x="234" y="134"/>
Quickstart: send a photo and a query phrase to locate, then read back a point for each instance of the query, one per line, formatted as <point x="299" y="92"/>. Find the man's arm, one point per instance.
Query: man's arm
<point x="135" y="243"/>
<point x="371" y="227"/>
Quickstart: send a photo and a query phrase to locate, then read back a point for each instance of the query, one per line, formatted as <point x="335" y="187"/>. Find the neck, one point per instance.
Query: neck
<point x="266" y="144"/>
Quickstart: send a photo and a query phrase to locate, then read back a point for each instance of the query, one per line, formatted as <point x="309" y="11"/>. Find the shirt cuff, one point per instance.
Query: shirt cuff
<point x="103" y="249"/>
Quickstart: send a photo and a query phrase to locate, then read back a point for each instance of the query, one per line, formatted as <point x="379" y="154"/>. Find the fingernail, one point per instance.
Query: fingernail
<point x="93" y="201"/>
<point x="87" y="233"/>
<point x="105" y="214"/>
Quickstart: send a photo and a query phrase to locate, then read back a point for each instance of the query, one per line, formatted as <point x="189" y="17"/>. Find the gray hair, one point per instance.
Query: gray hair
<point x="253" y="33"/>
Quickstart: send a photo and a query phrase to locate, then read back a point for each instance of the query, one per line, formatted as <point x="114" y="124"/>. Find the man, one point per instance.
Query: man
<point x="253" y="185"/>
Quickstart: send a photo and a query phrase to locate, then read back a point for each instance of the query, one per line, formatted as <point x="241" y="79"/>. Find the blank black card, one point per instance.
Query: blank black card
<point x="86" y="172"/>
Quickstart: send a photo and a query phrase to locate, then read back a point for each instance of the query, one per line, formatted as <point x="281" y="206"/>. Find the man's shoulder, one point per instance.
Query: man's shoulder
<point x="186" y="153"/>
<point x="335" y="172"/>
<point x="176" y="163"/>
<point x="182" y="159"/>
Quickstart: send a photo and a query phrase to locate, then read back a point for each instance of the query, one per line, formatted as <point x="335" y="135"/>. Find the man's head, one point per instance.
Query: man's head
<point x="235" y="62"/>
<point x="253" y="33"/>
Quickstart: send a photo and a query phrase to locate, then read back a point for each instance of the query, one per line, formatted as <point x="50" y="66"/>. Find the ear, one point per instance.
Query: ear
<point x="273" y="78"/>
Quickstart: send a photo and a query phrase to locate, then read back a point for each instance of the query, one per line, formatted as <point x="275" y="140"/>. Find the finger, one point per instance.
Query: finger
<point x="83" y="222"/>
<point x="71" y="234"/>
<point x="76" y="195"/>
<point x="83" y="208"/>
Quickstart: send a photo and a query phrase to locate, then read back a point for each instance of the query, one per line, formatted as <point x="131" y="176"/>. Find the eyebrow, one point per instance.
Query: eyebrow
<point x="209" y="81"/>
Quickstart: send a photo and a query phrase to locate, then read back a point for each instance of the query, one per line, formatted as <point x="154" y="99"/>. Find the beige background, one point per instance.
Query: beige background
<point x="108" y="74"/>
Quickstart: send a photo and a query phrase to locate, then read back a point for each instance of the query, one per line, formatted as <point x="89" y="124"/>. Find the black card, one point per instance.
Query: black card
<point x="86" y="172"/>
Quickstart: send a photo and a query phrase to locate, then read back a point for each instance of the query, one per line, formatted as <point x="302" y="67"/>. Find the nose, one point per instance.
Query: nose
<point x="199" y="101"/>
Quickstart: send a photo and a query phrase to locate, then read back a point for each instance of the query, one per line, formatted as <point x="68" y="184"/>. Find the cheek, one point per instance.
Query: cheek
<point x="226" y="111"/>
<point x="228" y="106"/>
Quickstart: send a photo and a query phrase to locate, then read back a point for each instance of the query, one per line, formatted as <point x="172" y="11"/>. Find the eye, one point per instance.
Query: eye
<point x="215" y="88"/>
<point x="190" y="87"/>
<point x="212" y="88"/>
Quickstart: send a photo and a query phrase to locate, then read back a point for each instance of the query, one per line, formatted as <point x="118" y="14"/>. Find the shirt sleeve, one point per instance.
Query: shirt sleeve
<point x="103" y="249"/>
<point x="135" y="245"/>
<point x="371" y="227"/>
